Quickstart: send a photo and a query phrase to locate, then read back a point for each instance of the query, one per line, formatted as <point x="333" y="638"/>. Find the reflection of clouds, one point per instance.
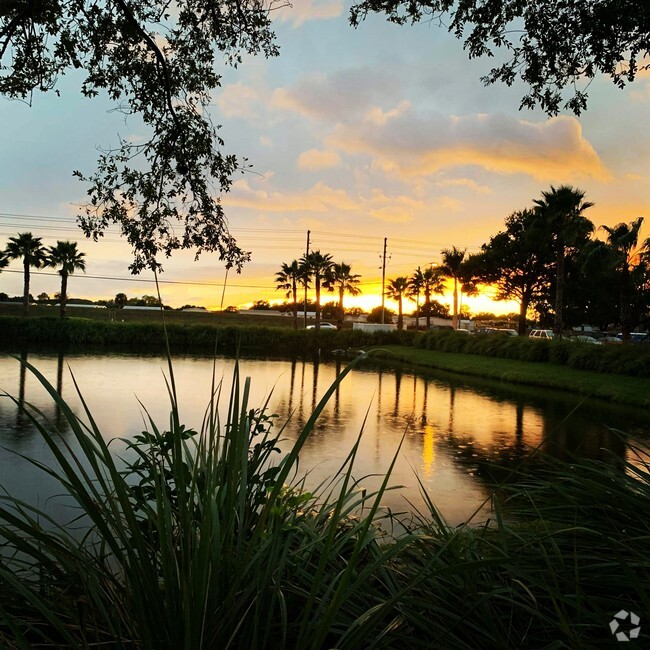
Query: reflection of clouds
<point x="449" y="429"/>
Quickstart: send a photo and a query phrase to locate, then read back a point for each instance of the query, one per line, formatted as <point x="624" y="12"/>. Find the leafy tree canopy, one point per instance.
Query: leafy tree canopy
<point x="155" y="60"/>
<point x="554" y="46"/>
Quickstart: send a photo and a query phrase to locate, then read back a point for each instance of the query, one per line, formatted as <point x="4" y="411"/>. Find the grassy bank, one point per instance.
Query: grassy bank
<point x="634" y="391"/>
<point x="545" y="368"/>
<point x="201" y="542"/>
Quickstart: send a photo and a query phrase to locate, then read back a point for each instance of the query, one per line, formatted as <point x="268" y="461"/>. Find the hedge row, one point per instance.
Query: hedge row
<point x="631" y="360"/>
<point x="15" y="331"/>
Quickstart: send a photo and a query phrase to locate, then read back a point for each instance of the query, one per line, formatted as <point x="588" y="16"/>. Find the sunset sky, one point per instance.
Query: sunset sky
<point x="356" y="135"/>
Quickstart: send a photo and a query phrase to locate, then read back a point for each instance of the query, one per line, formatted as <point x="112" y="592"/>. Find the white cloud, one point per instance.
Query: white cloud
<point x="239" y="100"/>
<point x="341" y="97"/>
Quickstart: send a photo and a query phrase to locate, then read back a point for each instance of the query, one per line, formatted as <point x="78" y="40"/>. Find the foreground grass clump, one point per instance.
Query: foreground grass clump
<point x="202" y="541"/>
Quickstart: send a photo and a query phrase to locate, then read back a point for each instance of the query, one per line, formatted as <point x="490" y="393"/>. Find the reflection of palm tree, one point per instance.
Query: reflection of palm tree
<point x="344" y="281"/>
<point x="318" y="266"/>
<point x="560" y="210"/>
<point x="396" y="290"/>
<point x="622" y="241"/>
<point x="32" y="252"/>
<point x="66" y="256"/>
<point x="452" y="261"/>
<point x="287" y="279"/>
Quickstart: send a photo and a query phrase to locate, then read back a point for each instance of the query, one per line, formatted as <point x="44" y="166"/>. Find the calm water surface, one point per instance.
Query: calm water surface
<point x="450" y="428"/>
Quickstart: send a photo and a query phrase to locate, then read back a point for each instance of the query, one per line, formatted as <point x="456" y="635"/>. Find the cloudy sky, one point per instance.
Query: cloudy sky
<point x="355" y="135"/>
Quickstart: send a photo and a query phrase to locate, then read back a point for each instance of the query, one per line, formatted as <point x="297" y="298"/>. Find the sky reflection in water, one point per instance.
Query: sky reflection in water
<point x="451" y="428"/>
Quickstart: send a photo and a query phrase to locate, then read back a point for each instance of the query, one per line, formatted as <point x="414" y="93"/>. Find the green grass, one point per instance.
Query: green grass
<point x="615" y="388"/>
<point x="203" y="541"/>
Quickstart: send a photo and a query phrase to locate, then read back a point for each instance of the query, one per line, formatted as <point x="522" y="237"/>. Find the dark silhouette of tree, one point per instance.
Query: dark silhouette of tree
<point x="318" y="266"/>
<point x="159" y="65"/>
<point x="560" y="211"/>
<point x="553" y="46"/>
<point x="261" y="305"/>
<point x="517" y="262"/>
<point x="65" y="256"/>
<point x="30" y="249"/>
<point x="416" y="283"/>
<point x="452" y="267"/>
<point x="375" y="315"/>
<point x="344" y="281"/>
<point x="287" y="279"/>
<point x="432" y="282"/>
<point x="627" y="258"/>
<point x="120" y="300"/>
<point x="396" y="290"/>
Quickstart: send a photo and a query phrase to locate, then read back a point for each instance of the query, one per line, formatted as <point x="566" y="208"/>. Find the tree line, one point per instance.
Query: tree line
<point x="319" y="271"/>
<point x="546" y="259"/>
<point x="64" y="256"/>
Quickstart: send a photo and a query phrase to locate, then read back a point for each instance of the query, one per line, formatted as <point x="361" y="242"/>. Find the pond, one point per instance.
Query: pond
<point x="452" y="430"/>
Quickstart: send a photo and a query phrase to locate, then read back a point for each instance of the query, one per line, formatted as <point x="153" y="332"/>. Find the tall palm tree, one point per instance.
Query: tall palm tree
<point x="344" y="281"/>
<point x="452" y="261"/>
<point x="416" y="283"/>
<point x="560" y="210"/>
<point x="32" y="252"/>
<point x="622" y="241"/>
<point x="432" y="282"/>
<point x="396" y="290"/>
<point x="287" y="279"/>
<point x="318" y="266"/>
<point x="66" y="256"/>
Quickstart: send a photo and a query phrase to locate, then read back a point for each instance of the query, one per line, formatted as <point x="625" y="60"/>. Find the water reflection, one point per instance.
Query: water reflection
<point x="455" y="433"/>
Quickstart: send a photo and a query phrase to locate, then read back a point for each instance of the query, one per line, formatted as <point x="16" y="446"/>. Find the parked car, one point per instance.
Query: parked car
<point x="323" y="326"/>
<point x="636" y="337"/>
<point x="583" y="338"/>
<point x="541" y="334"/>
<point x="608" y="339"/>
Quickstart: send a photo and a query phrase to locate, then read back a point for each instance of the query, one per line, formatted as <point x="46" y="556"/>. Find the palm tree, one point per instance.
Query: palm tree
<point x="396" y="290"/>
<point x="66" y="256"/>
<point x="622" y="241"/>
<point x="416" y="283"/>
<point x="431" y="283"/>
<point x="318" y="266"/>
<point x="344" y="281"/>
<point x="287" y="279"/>
<point x="31" y="250"/>
<point x="561" y="210"/>
<point x="452" y="260"/>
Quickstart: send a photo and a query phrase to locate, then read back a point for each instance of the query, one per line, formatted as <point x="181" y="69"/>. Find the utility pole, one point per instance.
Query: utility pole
<point x="306" y="278"/>
<point x="383" y="280"/>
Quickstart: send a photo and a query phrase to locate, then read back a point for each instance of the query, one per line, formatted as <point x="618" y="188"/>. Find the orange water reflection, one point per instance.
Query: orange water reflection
<point x="448" y="431"/>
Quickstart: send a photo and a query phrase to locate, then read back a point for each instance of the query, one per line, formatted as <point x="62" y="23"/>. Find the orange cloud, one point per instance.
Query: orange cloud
<point x="306" y="10"/>
<point x="322" y="199"/>
<point x="315" y="159"/>
<point x="413" y="144"/>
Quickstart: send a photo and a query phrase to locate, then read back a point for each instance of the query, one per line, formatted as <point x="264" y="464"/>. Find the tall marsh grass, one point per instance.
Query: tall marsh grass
<point x="208" y="539"/>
